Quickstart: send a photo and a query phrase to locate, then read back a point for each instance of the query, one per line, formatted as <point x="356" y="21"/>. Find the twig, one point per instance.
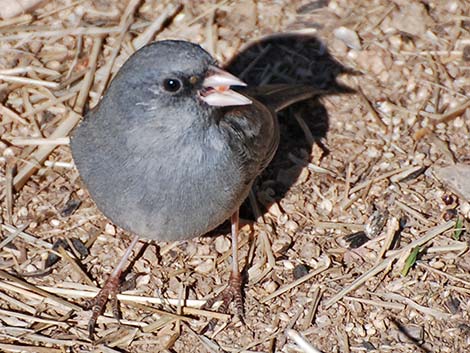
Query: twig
<point x="37" y="290"/>
<point x="146" y="36"/>
<point x="126" y="21"/>
<point x="66" y="126"/>
<point x="301" y="342"/>
<point x="431" y="234"/>
<point x="299" y="281"/>
<point x="28" y="81"/>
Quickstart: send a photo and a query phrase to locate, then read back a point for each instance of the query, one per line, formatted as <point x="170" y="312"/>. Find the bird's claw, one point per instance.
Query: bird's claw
<point x="232" y="293"/>
<point x="98" y="304"/>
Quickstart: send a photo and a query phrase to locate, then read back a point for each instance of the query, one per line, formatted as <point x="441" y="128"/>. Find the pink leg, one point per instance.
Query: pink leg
<point x="109" y="290"/>
<point x="233" y="292"/>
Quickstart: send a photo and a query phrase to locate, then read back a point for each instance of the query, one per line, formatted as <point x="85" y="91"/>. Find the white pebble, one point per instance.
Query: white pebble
<point x="288" y="265"/>
<point x="23" y="212"/>
<point x="291" y="226"/>
<point x="326" y="205"/>
<point x="372" y="152"/>
<point x="142" y="281"/>
<point x="458" y="122"/>
<point x="270" y="286"/>
<point x="54" y="222"/>
<point x="370" y="329"/>
<point x="205" y="267"/>
<point x="8" y="152"/>
<point x="465" y="209"/>
<point x="31" y="268"/>
<point x="282" y="218"/>
<point x="380" y="324"/>
<point x="222" y="245"/>
<point x="359" y="330"/>
<point x="348" y="37"/>
<point x="109" y="229"/>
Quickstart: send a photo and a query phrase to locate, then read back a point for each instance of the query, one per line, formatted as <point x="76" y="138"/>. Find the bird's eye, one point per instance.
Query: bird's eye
<point x="171" y="84"/>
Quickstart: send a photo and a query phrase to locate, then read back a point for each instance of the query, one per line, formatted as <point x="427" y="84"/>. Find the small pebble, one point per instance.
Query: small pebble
<point x="222" y="245"/>
<point x="54" y="222"/>
<point x="142" y="280"/>
<point x="303" y="177"/>
<point x="110" y="229"/>
<point x="301" y="271"/>
<point x="348" y="37"/>
<point x="326" y="206"/>
<point x="288" y="265"/>
<point x="368" y="346"/>
<point x="380" y="324"/>
<point x="270" y="286"/>
<point x="416" y="333"/>
<point x="275" y="210"/>
<point x="359" y="330"/>
<point x="54" y="65"/>
<point x="437" y="264"/>
<point x="281" y="244"/>
<point x="465" y="209"/>
<point x="291" y="226"/>
<point x="282" y="219"/>
<point x="31" y="268"/>
<point x="370" y="329"/>
<point x="205" y="267"/>
<point x="23" y="212"/>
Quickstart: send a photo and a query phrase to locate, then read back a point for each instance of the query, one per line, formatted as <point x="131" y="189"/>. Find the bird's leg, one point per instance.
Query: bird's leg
<point x="110" y="290"/>
<point x="235" y="281"/>
<point x="233" y="292"/>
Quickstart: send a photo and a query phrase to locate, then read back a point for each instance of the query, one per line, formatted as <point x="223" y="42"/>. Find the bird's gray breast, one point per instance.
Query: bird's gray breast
<point x="160" y="184"/>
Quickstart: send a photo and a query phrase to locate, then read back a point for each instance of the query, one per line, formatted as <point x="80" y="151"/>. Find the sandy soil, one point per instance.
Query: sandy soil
<point x="363" y="158"/>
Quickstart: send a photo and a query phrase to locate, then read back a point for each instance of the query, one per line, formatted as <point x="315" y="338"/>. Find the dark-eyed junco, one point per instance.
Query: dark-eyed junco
<point x="171" y="151"/>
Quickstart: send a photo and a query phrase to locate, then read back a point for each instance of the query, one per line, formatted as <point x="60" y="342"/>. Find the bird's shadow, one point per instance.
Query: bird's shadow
<point x="291" y="59"/>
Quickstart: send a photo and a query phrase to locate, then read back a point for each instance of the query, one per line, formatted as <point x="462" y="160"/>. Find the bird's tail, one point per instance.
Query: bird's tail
<point x="280" y="96"/>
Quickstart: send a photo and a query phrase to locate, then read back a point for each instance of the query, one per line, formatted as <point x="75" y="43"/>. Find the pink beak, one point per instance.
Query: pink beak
<point x="216" y="89"/>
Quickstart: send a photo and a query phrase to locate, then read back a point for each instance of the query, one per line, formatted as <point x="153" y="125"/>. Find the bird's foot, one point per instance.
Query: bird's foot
<point x="98" y="303"/>
<point x="112" y="287"/>
<point x="232" y="293"/>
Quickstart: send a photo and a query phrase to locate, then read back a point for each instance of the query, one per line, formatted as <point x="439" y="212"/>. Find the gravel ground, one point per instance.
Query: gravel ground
<point x="360" y="242"/>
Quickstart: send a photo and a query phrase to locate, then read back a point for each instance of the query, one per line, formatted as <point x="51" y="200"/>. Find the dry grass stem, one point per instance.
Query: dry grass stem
<point x="20" y="284"/>
<point x="428" y="311"/>
<point x="324" y="267"/>
<point x="430" y="234"/>
<point x="170" y="11"/>
<point x="392" y="227"/>
<point x="301" y="342"/>
<point x="340" y="159"/>
<point x="379" y="303"/>
<point x="40" y="142"/>
<point x="25" y="348"/>
<point x="413" y="213"/>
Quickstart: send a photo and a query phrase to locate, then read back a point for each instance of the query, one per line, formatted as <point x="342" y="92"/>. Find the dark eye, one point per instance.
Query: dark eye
<point x="171" y="84"/>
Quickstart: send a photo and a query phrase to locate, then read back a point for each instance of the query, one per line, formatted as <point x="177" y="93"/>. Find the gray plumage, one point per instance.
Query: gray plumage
<point x="168" y="166"/>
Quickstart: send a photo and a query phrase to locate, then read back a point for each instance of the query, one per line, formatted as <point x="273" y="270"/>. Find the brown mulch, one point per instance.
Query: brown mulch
<point x="359" y="160"/>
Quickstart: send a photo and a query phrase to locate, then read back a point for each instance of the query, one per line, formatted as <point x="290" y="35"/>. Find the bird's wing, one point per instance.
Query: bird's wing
<point x="280" y="96"/>
<point x="253" y="135"/>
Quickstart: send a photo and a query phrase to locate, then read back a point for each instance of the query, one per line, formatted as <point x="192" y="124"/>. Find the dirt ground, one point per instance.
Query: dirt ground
<point x="363" y="160"/>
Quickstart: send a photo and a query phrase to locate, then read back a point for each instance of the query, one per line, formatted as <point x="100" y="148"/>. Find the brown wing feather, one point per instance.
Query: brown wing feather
<point x="280" y="96"/>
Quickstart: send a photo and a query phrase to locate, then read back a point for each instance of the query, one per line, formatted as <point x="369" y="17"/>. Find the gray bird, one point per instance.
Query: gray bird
<point x="171" y="151"/>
